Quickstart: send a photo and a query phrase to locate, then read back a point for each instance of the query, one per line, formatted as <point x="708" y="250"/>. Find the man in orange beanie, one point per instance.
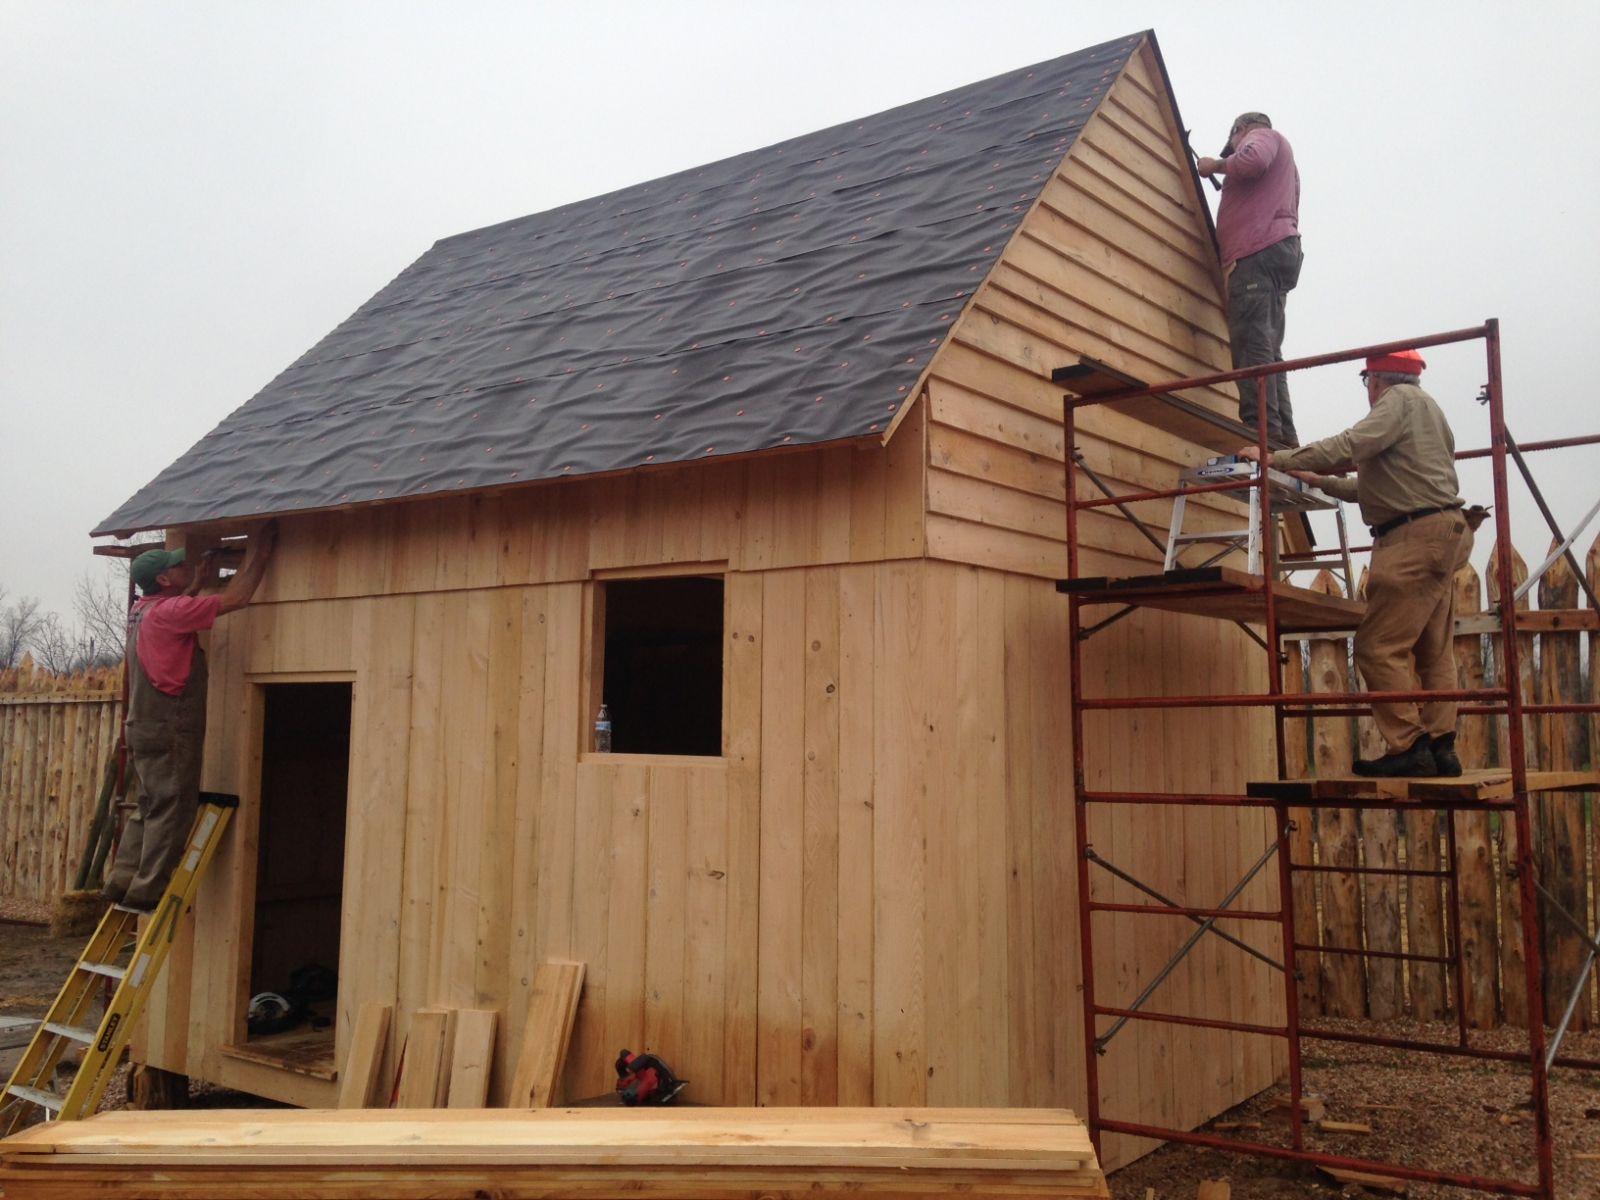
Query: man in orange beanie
<point x="1403" y="454"/>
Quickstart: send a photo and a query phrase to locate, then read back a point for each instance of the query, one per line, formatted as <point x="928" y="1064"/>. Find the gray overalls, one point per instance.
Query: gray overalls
<point x="165" y="739"/>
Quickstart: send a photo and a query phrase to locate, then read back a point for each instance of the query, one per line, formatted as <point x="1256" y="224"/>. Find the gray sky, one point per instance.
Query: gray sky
<point x="194" y="193"/>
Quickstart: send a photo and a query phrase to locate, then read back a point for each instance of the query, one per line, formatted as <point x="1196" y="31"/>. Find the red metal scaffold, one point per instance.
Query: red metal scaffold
<point x="1504" y="699"/>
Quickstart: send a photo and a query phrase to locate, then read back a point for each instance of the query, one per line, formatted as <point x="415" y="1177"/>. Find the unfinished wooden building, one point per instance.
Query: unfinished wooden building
<point x="765" y="457"/>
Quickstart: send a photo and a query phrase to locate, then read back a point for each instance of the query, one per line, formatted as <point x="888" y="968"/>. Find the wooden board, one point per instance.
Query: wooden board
<point x="426" y="1050"/>
<point x="1184" y="418"/>
<point x="471" y="1058"/>
<point x="1472" y="787"/>
<point x="359" y="1082"/>
<point x="963" y="1138"/>
<point x="551" y="1012"/>
<point x="1223" y="592"/>
<point x="665" y="1152"/>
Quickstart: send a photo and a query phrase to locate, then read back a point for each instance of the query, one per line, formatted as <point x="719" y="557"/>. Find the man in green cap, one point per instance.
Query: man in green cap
<point x="166" y="722"/>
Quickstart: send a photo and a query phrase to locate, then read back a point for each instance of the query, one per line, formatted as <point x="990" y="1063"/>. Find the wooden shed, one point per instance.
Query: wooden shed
<point x="765" y="457"/>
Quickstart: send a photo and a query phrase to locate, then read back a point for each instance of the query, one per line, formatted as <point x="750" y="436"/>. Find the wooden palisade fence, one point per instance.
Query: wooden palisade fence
<point x="1391" y="913"/>
<point x="57" y="733"/>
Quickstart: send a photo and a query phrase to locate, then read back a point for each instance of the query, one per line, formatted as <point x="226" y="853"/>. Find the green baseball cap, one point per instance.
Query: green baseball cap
<point x="151" y="564"/>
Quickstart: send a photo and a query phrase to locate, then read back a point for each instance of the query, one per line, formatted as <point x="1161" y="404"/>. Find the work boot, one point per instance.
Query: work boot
<point x="1415" y="763"/>
<point x="1443" y="748"/>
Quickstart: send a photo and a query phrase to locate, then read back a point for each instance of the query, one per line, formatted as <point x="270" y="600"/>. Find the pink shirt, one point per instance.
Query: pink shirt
<point x="1260" y="196"/>
<point x="167" y="626"/>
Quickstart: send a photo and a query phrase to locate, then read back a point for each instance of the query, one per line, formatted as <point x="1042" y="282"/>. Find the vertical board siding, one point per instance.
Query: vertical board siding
<point x="836" y="504"/>
<point x="1116" y="262"/>
<point x="875" y="884"/>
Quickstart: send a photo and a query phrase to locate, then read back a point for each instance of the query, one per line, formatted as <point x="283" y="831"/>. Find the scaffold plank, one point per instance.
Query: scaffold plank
<point x="1223" y="592"/>
<point x="1472" y="787"/>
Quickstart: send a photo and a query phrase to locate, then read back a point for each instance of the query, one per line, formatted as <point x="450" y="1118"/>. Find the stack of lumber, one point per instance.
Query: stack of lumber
<point x="725" y="1153"/>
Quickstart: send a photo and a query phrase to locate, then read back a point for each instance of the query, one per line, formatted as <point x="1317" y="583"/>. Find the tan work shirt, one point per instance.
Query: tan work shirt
<point x="1403" y="453"/>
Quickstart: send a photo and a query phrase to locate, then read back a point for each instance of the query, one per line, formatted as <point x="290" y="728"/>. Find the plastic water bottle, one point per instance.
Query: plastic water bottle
<point x="602" y="731"/>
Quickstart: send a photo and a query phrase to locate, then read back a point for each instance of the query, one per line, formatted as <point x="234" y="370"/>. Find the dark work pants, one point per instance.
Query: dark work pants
<point x="1258" y="290"/>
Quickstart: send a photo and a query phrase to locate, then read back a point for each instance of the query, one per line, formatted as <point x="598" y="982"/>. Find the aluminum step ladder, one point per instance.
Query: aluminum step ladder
<point x="66" y="1026"/>
<point x="1288" y="495"/>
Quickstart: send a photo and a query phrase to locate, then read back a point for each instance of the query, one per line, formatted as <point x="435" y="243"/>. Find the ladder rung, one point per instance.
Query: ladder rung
<point x="75" y="1032"/>
<point x="105" y="969"/>
<point x="45" y="1100"/>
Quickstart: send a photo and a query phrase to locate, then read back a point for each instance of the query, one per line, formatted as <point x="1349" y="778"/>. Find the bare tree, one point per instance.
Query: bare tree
<point x="54" y="648"/>
<point x="19" y="623"/>
<point x="100" y="601"/>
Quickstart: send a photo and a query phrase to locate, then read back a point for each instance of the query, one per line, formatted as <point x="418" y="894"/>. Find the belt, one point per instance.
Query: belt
<point x="1394" y="523"/>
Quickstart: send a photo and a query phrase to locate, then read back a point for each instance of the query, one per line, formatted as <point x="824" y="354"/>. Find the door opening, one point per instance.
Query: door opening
<point x="305" y="769"/>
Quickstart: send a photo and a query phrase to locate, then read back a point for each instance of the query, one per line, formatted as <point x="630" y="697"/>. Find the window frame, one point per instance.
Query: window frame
<point x="592" y="678"/>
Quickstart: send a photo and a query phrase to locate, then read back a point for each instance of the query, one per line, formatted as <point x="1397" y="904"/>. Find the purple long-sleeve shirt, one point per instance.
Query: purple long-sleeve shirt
<point x="1260" y="195"/>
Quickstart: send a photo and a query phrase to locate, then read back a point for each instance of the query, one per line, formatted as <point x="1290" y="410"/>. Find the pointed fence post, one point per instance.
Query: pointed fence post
<point x="1380" y="844"/>
<point x="1591" y="565"/>
<point x="1343" y="979"/>
<point x="1513" y="997"/>
<point x="1302" y="842"/>
<point x="1558" y="816"/>
<point x="1475" y="860"/>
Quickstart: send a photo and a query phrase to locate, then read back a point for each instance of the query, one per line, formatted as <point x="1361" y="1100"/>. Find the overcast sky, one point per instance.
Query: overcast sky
<point x="194" y="193"/>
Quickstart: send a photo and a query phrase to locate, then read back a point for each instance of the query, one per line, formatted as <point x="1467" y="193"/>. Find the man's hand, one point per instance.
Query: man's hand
<point x="1211" y="166"/>
<point x="244" y="582"/>
<point x="1310" y="477"/>
<point x="1253" y="453"/>
<point x="264" y="539"/>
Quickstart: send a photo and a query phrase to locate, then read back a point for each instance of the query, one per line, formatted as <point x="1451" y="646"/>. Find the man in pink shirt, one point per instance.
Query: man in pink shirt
<point x="1258" y="232"/>
<point x="166" y="722"/>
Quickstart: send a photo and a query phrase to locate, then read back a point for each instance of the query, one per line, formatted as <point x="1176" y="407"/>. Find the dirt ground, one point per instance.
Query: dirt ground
<point x="1449" y="1114"/>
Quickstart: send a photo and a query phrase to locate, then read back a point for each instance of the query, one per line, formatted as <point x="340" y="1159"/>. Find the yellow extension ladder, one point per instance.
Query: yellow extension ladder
<point x="29" y="1088"/>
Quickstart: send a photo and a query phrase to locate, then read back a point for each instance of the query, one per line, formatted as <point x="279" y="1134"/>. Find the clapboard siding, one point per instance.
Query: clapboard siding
<point x="1115" y="262"/>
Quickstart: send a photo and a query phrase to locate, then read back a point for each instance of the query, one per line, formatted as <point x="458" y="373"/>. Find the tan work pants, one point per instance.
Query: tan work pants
<point x="1411" y="608"/>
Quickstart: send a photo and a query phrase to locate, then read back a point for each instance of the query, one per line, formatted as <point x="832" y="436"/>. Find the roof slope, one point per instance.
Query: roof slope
<point x="791" y="295"/>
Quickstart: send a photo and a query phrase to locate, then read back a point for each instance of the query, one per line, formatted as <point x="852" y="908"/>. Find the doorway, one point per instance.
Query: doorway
<point x="305" y="770"/>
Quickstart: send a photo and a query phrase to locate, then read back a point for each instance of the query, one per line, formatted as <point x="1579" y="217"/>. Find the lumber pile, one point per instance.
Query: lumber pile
<point x="724" y="1153"/>
<point x="445" y="1062"/>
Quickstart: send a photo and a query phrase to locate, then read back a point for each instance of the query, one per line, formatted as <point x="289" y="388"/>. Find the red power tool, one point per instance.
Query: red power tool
<point x="645" y="1079"/>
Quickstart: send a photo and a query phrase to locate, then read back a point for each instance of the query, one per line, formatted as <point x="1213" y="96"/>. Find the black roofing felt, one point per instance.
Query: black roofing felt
<point x="787" y="296"/>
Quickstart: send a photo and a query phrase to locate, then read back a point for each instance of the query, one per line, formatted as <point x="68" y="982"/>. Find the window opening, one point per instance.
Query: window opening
<point x="662" y="674"/>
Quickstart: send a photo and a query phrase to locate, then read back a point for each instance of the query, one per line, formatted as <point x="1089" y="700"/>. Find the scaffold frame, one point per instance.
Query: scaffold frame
<point x="1505" y="699"/>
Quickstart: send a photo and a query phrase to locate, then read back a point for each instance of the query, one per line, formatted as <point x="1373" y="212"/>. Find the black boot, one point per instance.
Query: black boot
<point x="1444" y="754"/>
<point x="1415" y="763"/>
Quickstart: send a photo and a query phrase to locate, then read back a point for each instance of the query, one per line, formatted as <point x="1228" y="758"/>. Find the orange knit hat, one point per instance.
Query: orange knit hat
<point x="1401" y="362"/>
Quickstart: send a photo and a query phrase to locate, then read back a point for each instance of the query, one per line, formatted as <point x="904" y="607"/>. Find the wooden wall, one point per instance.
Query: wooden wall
<point x="838" y="504"/>
<point x="865" y="900"/>
<point x="1116" y="262"/>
